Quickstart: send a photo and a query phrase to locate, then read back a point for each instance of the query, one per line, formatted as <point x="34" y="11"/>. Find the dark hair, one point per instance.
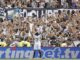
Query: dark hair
<point x="73" y="12"/>
<point x="36" y="34"/>
<point x="1" y="20"/>
<point x="64" y="27"/>
<point x="59" y="11"/>
<point x="79" y="11"/>
<point x="13" y="5"/>
<point x="1" y="39"/>
<point x="68" y="12"/>
<point x="53" y="38"/>
<point x="78" y="45"/>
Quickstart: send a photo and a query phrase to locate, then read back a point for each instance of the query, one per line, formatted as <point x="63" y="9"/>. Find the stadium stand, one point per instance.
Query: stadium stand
<point x="60" y="29"/>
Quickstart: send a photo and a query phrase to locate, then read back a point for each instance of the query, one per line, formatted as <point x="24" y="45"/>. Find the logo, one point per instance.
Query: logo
<point x="23" y="53"/>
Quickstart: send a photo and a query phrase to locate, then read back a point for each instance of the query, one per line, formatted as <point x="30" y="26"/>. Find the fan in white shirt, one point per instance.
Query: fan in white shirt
<point x="14" y="44"/>
<point x="5" y="32"/>
<point x="31" y="26"/>
<point x="37" y="40"/>
<point x="37" y="44"/>
<point x="39" y="29"/>
<point x="17" y="33"/>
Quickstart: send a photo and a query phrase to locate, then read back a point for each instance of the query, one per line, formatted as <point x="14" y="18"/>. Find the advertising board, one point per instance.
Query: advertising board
<point x="48" y="52"/>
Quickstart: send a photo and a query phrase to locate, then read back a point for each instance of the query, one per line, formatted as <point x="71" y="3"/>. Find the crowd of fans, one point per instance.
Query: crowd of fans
<point x="40" y="3"/>
<point x="60" y="29"/>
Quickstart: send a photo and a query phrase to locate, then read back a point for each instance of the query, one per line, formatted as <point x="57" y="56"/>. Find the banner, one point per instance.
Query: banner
<point x="2" y="13"/>
<point x="11" y="13"/>
<point x="48" y="52"/>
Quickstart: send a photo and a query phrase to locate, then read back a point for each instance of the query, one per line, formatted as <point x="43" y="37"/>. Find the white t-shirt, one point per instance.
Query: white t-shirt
<point x="5" y="31"/>
<point x="18" y="33"/>
<point x="31" y="26"/>
<point x="46" y="0"/>
<point x="37" y="40"/>
<point x="29" y="34"/>
<point x="62" y="2"/>
<point x="40" y="29"/>
<point x="9" y="6"/>
<point x="46" y="21"/>
<point x="37" y="29"/>
<point x="14" y="43"/>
